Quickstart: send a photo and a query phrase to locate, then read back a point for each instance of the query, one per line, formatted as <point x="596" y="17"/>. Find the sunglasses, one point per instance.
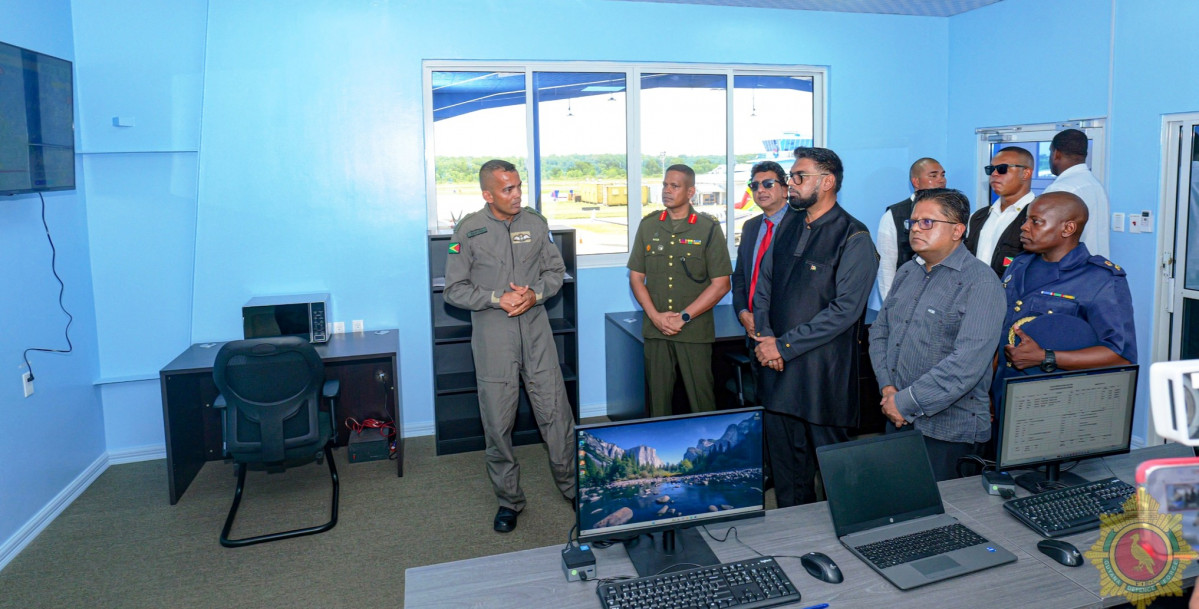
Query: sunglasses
<point x="764" y="184"/>
<point x="1001" y="168"/>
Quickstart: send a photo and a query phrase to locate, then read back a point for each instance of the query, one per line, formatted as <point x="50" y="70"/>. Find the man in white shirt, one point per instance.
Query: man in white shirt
<point x="893" y="246"/>
<point x="1068" y="161"/>
<point x="994" y="235"/>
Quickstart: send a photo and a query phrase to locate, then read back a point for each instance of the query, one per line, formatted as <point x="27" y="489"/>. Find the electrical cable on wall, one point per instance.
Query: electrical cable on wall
<point x="61" y="290"/>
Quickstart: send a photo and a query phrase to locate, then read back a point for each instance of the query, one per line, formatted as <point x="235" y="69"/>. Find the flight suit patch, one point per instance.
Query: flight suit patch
<point x="455" y="248"/>
<point x="476" y="232"/>
<point x="522" y="237"/>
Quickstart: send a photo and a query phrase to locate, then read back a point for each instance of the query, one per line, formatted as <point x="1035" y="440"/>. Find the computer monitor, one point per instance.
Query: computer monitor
<point x="1048" y="419"/>
<point x="647" y="482"/>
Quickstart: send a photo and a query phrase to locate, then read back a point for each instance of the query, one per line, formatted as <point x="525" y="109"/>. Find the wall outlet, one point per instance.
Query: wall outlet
<point x="356" y="325"/>
<point x="27" y="383"/>
<point x="339" y="327"/>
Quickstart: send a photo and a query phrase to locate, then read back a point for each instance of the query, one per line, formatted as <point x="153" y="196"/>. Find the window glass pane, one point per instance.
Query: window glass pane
<point x="477" y="116"/>
<point x="683" y="118"/>
<point x="772" y="116"/>
<point x="582" y="157"/>
<point x="1192" y="263"/>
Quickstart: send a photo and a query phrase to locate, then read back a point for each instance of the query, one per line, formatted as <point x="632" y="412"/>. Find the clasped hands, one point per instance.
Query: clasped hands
<point x="768" y="353"/>
<point x="668" y="323"/>
<point x="519" y="300"/>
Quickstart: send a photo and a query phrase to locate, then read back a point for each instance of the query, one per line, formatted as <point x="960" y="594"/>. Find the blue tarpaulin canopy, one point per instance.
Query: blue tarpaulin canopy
<point x="457" y="93"/>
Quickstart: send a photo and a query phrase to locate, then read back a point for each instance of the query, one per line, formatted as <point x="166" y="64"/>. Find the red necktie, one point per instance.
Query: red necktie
<point x="762" y="247"/>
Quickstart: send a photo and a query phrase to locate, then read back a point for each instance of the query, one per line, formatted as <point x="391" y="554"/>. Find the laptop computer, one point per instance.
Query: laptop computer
<point x="882" y="495"/>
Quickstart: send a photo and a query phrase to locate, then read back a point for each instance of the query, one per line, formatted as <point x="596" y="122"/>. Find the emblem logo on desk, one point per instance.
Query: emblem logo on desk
<point x="1141" y="553"/>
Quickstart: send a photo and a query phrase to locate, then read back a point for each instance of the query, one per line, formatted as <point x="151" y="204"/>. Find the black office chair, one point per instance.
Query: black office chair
<point x="270" y="400"/>
<point x="743" y="384"/>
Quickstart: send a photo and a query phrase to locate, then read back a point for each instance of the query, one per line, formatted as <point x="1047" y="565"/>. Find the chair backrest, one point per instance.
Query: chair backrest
<point x="272" y="389"/>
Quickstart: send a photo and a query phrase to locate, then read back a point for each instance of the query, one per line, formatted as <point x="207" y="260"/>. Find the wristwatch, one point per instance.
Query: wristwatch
<point x="686" y="317"/>
<point x="1049" y="364"/>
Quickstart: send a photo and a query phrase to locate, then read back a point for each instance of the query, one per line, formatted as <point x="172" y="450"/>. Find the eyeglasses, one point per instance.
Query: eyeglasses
<point x="798" y="176"/>
<point x="767" y="184"/>
<point x="1001" y="168"/>
<point x="924" y="223"/>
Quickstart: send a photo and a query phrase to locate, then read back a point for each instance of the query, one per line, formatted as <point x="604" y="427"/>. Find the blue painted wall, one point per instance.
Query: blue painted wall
<point x="312" y="149"/>
<point x="50" y="438"/>
<point x="1027" y="61"/>
<point x="279" y="147"/>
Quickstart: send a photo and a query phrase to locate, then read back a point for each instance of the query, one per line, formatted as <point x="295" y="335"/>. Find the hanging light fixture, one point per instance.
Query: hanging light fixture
<point x="753" y="102"/>
<point x="568" y="110"/>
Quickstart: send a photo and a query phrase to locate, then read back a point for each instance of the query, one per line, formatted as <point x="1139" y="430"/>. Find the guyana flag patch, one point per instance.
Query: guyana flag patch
<point x="455" y="248"/>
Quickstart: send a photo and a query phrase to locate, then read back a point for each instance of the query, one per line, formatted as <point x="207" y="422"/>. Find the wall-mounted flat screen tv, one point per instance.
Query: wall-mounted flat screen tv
<point x="37" y="122"/>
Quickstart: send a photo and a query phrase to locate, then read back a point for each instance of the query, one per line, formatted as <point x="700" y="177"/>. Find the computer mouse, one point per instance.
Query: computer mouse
<point x="821" y="567"/>
<point x="1062" y="551"/>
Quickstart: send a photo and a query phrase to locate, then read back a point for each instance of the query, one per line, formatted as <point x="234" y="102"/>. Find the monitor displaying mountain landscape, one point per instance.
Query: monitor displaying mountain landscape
<point x="676" y="471"/>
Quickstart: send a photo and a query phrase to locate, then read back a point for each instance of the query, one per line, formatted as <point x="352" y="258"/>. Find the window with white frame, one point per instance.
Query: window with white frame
<point x="592" y="139"/>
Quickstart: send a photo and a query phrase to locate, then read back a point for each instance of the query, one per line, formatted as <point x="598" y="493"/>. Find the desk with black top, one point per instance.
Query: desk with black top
<point x="624" y="348"/>
<point x="533" y="578"/>
<point x="365" y="363"/>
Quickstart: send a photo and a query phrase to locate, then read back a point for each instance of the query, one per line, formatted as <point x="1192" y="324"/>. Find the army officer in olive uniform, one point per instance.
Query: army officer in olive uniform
<point x="679" y="269"/>
<point x="502" y="266"/>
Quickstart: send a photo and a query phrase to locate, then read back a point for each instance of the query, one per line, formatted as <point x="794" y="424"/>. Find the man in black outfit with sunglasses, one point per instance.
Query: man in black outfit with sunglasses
<point x="994" y="231"/>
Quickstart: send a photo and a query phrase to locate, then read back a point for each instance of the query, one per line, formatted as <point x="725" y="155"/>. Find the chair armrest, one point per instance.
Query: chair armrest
<point x="219" y="402"/>
<point x="332" y="388"/>
<point x="737" y="358"/>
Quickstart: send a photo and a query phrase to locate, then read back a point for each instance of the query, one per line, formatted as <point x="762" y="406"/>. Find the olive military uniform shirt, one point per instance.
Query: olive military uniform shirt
<point x="679" y="259"/>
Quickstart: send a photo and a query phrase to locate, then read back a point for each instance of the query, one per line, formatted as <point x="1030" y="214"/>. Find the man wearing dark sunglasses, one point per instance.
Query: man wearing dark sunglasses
<point x="893" y="247"/>
<point x="812" y="290"/>
<point x="769" y="187"/>
<point x="994" y="232"/>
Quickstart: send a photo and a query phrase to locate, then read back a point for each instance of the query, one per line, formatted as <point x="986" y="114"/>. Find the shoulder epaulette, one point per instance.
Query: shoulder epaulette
<point x="1104" y="263"/>
<point x="536" y="213"/>
<point x="463" y="220"/>
<point x="709" y="216"/>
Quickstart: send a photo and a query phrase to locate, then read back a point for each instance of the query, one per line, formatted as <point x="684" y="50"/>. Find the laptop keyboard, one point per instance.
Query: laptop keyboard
<point x="900" y="550"/>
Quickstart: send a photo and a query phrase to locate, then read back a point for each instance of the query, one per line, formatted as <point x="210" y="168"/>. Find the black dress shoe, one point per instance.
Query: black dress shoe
<point x="505" y="520"/>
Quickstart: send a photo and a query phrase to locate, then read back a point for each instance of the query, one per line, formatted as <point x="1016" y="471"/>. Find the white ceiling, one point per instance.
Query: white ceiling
<point x="922" y="8"/>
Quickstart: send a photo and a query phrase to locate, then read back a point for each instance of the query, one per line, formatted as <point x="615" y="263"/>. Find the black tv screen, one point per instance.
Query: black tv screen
<point x="37" y="122"/>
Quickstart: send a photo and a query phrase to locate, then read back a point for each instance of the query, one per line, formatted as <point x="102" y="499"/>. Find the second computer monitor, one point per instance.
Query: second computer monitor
<point x="1048" y="419"/>
<point x="641" y="478"/>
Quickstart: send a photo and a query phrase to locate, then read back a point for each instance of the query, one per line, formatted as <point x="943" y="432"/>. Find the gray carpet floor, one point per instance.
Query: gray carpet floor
<point x="122" y="545"/>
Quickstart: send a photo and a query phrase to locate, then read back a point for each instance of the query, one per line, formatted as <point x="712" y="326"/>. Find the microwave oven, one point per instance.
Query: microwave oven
<point x="300" y="315"/>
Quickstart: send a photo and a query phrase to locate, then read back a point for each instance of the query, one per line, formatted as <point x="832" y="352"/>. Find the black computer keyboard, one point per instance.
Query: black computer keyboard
<point x="745" y="584"/>
<point x="1073" y="509"/>
<point x="907" y="548"/>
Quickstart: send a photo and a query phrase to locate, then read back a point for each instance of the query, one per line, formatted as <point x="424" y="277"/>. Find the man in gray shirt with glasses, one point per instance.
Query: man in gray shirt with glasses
<point x="932" y="343"/>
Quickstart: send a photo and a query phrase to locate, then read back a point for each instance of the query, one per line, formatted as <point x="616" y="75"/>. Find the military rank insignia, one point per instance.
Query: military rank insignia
<point x="455" y="248"/>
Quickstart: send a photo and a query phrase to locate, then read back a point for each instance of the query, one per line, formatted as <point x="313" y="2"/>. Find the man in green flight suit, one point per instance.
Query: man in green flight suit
<point x="502" y="266"/>
<point x="679" y="269"/>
